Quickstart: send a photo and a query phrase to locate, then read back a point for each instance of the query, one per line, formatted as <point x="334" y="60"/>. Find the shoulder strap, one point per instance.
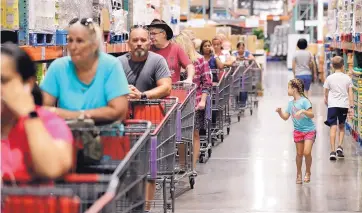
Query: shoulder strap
<point x="138" y="73"/>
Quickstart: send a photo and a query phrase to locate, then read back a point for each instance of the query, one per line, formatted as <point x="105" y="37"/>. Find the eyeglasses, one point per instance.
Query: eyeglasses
<point x="88" y="22"/>
<point x="155" y="33"/>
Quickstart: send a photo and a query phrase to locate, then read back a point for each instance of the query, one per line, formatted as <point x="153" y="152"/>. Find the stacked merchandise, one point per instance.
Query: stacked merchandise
<point x="69" y="9"/>
<point x="9" y="15"/>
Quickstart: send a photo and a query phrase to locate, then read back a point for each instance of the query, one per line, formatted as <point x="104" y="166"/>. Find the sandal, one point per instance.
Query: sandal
<point x="307" y="177"/>
<point x="299" y="179"/>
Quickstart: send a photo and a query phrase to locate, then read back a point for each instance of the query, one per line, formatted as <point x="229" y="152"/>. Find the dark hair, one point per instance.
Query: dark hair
<point x="239" y="44"/>
<point x="24" y="66"/>
<point x="202" y="46"/>
<point x="302" y="44"/>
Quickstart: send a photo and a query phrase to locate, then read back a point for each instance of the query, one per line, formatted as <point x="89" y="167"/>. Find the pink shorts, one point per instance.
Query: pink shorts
<point x="302" y="136"/>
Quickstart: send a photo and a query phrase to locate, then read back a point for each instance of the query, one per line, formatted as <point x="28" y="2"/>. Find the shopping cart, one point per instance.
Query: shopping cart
<point x="225" y="92"/>
<point x="219" y="100"/>
<point x="205" y="135"/>
<point x="162" y="113"/>
<point x="250" y="78"/>
<point x="239" y="68"/>
<point x="120" y="192"/>
<point x="186" y="94"/>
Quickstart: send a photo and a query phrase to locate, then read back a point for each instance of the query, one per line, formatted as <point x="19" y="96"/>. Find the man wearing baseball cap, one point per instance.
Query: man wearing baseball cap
<point x="161" y="34"/>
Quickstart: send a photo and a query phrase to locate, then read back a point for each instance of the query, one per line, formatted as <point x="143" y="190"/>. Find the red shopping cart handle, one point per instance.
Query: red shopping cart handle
<point x="73" y="178"/>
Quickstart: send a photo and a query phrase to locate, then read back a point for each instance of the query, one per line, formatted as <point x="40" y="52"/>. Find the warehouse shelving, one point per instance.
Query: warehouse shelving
<point x="45" y="47"/>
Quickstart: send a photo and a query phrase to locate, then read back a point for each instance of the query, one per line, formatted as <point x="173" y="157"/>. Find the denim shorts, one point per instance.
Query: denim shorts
<point x="307" y="80"/>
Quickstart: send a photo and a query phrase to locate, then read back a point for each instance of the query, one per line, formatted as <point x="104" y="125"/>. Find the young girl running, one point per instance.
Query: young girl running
<point x="304" y="129"/>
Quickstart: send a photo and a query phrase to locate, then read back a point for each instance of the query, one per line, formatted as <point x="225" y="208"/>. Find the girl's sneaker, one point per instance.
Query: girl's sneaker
<point x="340" y="152"/>
<point x="332" y="156"/>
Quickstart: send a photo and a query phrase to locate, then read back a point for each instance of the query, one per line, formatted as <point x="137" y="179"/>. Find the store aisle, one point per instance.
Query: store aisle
<point x="254" y="169"/>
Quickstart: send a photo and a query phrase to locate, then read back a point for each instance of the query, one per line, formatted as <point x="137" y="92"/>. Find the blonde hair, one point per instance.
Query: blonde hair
<point x="99" y="37"/>
<point x="187" y="45"/>
<point x="96" y="33"/>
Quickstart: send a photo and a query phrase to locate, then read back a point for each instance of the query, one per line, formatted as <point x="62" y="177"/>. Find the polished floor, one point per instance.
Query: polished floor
<point x="254" y="169"/>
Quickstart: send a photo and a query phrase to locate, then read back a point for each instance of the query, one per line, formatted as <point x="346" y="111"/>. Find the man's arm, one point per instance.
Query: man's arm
<point x="163" y="89"/>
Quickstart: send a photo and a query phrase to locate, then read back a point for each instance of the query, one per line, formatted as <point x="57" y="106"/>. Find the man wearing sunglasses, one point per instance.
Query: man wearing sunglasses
<point x="147" y="72"/>
<point x="176" y="58"/>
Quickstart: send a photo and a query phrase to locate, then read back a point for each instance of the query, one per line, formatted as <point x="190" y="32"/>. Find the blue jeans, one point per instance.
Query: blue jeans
<point x="307" y="81"/>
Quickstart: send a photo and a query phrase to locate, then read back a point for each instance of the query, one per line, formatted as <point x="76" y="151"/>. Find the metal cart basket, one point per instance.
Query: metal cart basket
<point x="120" y="192"/>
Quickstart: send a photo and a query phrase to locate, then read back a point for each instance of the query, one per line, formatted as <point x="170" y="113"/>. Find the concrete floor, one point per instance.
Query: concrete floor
<point x="254" y="169"/>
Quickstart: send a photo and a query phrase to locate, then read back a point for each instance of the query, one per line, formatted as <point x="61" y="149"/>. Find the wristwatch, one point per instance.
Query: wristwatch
<point x="143" y="96"/>
<point x="31" y="115"/>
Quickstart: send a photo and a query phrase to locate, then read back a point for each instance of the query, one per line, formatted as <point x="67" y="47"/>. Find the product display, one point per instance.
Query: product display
<point x="9" y="14"/>
<point x="346" y="40"/>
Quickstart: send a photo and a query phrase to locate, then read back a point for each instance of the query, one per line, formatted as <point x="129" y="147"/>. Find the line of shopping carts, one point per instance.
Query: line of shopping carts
<point x="153" y="148"/>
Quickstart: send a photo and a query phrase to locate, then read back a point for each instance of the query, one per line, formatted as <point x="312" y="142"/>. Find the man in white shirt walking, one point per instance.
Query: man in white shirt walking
<point x="338" y="96"/>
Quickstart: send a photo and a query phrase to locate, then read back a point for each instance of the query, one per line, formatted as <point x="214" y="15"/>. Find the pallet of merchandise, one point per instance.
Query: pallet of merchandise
<point x="9" y="15"/>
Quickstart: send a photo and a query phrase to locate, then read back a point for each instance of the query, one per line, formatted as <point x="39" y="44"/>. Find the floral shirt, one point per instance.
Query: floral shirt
<point x="202" y="78"/>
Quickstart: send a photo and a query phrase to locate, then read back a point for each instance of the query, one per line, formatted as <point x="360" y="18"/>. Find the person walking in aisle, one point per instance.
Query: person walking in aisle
<point x="161" y="34"/>
<point x="338" y="96"/>
<point x="303" y="65"/>
<point x="300" y="108"/>
<point x="147" y="72"/>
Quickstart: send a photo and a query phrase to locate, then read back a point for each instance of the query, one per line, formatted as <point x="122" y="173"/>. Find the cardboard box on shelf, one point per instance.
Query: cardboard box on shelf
<point x="313" y="48"/>
<point x="204" y="33"/>
<point x="251" y="43"/>
<point x="105" y="20"/>
<point x="260" y="44"/>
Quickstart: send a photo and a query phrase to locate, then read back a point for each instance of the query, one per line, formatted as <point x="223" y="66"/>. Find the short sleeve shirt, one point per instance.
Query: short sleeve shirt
<point x="62" y="82"/>
<point x="301" y="123"/>
<point x="338" y="85"/>
<point x="175" y="57"/>
<point x="302" y="59"/>
<point x="15" y="152"/>
<point x="144" y="75"/>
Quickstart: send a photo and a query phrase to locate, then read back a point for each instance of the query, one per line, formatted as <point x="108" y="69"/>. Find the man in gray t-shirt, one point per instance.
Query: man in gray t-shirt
<point x="147" y="72"/>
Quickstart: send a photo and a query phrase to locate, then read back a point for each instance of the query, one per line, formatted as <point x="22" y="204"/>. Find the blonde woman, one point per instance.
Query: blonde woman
<point x="203" y="81"/>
